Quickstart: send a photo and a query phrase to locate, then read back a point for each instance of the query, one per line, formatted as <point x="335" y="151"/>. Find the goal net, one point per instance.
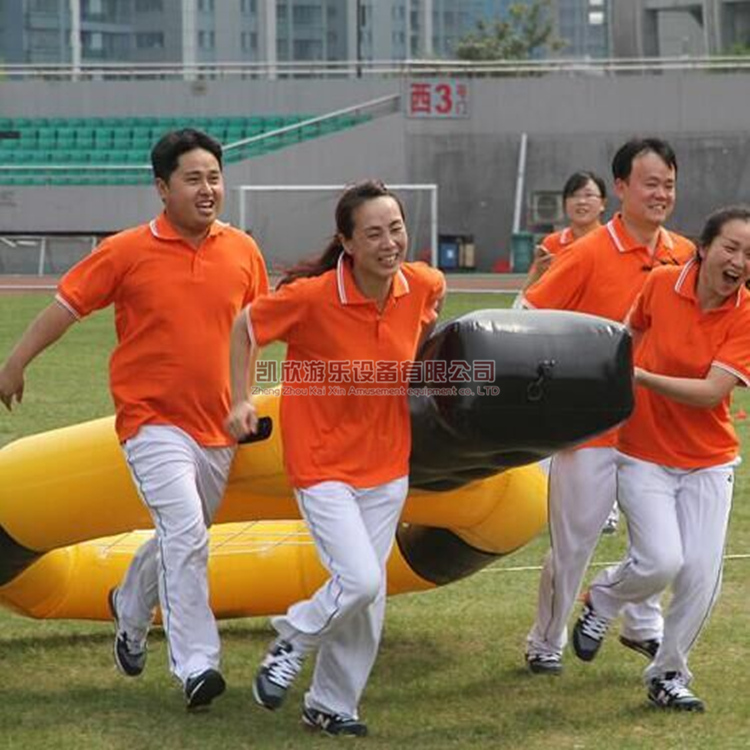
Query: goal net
<point x="293" y="222"/>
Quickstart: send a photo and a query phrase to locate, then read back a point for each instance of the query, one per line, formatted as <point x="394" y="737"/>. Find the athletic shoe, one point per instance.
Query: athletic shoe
<point x="610" y="525"/>
<point x="647" y="648"/>
<point x="202" y="688"/>
<point x="589" y="632"/>
<point x="278" y="671"/>
<point x="671" y="692"/>
<point x="130" y="654"/>
<point x="332" y="724"/>
<point x="544" y="663"/>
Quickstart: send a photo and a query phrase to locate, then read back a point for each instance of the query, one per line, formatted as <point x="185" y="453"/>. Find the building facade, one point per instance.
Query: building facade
<point x="675" y="28"/>
<point x="188" y="31"/>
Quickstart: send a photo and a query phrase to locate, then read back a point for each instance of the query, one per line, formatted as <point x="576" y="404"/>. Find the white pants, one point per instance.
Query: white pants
<point x="677" y="522"/>
<point x="353" y="530"/>
<point x="582" y="491"/>
<point x="181" y="483"/>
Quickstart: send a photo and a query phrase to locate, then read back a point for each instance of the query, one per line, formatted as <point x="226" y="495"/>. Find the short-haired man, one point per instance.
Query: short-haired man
<point x="176" y="284"/>
<point x="601" y="274"/>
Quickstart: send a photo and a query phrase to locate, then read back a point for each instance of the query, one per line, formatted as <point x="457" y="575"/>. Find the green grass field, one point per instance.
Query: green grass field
<point x="450" y="672"/>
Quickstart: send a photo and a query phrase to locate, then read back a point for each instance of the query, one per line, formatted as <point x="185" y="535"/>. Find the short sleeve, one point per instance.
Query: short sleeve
<point x="639" y="317"/>
<point x="274" y="317"/>
<point x="259" y="275"/>
<point x="734" y="353"/>
<point x="562" y="286"/>
<point x="437" y="287"/>
<point x="93" y="282"/>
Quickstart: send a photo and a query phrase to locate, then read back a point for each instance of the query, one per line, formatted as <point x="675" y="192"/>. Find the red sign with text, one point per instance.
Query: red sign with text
<point x="438" y="98"/>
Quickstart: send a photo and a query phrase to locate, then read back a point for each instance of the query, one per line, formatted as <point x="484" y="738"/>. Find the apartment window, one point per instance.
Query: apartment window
<point x="44" y="6"/>
<point x="149" y="6"/>
<point x="249" y="41"/>
<point x="248" y="6"/>
<point x="596" y="18"/>
<point x="42" y="41"/>
<point x="306" y="14"/>
<point x="150" y="40"/>
<point x="205" y="6"/>
<point x="206" y="39"/>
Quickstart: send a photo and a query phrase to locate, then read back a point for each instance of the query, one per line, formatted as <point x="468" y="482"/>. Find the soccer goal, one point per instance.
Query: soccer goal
<point x="292" y="222"/>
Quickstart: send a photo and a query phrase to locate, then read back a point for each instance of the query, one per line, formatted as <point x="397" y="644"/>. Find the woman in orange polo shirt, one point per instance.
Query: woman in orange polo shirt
<point x="351" y="320"/>
<point x="678" y="451"/>
<point x="584" y="199"/>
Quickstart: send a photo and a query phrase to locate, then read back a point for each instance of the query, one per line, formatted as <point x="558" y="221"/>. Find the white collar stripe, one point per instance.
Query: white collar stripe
<point x="613" y="235"/>
<point x="681" y="278"/>
<point x="340" y="279"/>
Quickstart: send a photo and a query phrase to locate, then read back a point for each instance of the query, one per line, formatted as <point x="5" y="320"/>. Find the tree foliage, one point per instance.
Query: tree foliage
<point x="526" y="30"/>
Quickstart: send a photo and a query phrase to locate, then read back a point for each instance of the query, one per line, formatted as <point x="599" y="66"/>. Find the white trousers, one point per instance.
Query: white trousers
<point x="353" y="530"/>
<point x="582" y="491"/>
<point x="181" y="483"/>
<point x="677" y="522"/>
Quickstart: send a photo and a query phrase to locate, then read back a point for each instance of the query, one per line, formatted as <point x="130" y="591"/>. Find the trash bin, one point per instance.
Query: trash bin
<point x="448" y="247"/>
<point x="521" y="251"/>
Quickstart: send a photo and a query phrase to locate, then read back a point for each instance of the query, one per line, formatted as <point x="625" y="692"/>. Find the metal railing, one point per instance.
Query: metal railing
<point x="367" y="68"/>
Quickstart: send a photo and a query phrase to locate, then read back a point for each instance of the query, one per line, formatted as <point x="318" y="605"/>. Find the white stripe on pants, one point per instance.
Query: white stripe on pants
<point x="678" y="522"/>
<point x="181" y="483"/>
<point x="353" y="530"/>
<point x="582" y="491"/>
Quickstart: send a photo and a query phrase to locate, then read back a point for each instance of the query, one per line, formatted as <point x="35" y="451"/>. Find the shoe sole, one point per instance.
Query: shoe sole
<point x="205" y="691"/>
<point x="695" y="708"/>
<point x="553" y="670"/>
<point x="312" y="726"/>
<point x="637" y="647"/>
<point x="121" y="668"/>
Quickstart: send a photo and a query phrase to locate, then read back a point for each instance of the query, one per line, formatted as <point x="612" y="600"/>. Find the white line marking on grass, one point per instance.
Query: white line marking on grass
<point x="528" y="568"/>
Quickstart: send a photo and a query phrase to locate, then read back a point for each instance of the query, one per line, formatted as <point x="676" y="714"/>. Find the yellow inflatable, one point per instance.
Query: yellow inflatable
<point x="68" y="504"/>
<point x="70" y="518"/>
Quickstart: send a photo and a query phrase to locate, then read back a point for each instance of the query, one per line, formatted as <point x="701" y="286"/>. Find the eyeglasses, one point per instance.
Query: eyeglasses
<point x="584" y="197"/>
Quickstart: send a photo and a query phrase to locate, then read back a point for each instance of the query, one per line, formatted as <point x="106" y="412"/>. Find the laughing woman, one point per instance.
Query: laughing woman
<point x="678" y="451"/>
<point x="347" y="456"/>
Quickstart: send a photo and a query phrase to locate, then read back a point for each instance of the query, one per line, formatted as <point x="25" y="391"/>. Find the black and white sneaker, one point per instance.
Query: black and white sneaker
<point x="589" y="632"/>
<point x="130" y="654"/>
<point x="202" y="688"/>
<point x="671" y="692"/>
<point x="333" y="725"/>
<point x="647" y="648"/>
<point x="544" y="663"/>
<point x="278" y="671"/>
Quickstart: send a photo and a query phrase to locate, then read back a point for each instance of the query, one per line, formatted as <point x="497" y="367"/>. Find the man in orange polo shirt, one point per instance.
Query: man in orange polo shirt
<point x="177" y="284"/>
<point x="601" y="274"/>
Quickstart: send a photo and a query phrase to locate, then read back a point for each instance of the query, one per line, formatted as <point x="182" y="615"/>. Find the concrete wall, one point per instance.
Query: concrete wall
<point x="572" y="122"/>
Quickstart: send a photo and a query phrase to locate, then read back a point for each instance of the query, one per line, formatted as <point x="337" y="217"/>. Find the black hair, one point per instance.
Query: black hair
<point x="580" y="179"/>
<point x="166" y="154"/>
<point x="351" y="199"/>
<point x="716" y="221"/>
<point x="622" y="164"/>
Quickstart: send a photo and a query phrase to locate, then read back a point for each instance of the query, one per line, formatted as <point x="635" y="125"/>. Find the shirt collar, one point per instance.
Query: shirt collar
<point x="687" y="282"/>
<point x="348" y="290"/>
<point x="566" y="236"/>
<point x="626" y="244"/>
<point x="162" y="228"/>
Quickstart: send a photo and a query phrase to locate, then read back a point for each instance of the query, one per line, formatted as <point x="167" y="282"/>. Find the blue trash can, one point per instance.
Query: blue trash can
<point x="521" y="251"/>
<point x="448" y="253"/>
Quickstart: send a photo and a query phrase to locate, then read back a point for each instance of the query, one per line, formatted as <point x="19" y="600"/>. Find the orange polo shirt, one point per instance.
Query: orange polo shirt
<point x="601" y="274"/>
<point x="557" y="241"/>
<point x="174" y="309"/>
<point x="329" y="431"/>
<point x="682" y="340"/>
